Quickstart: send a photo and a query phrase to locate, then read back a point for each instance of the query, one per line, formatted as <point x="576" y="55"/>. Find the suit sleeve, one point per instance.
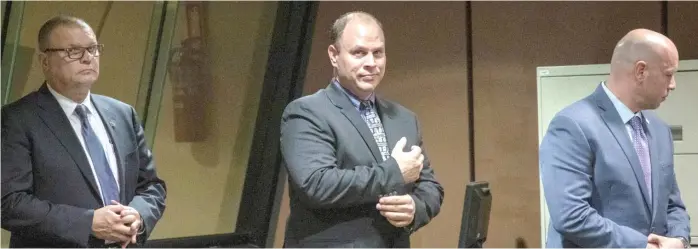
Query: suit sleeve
<point x="678" y="224"/>
<point x="428" y="194"/>
<point x="308" y="149"/>
<point x="22" y="212"/>
<point x="566" y="162"/>
<point x="151" y="191"/>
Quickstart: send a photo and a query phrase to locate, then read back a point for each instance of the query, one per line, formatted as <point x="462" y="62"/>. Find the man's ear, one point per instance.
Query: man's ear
<point x="333" y="53"/>
<point x="640" y="71"/>
<point x="43" y="60"/>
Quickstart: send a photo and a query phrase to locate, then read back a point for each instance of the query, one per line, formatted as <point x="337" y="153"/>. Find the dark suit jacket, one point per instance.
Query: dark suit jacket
<point x="336" y="173"/>
<point x="49" y="193"/>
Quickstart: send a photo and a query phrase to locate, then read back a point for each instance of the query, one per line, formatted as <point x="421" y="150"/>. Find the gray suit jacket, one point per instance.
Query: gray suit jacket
<point x="594" y="185"/>
<point x="48" y="190"/>
<point x="336" y="173"/>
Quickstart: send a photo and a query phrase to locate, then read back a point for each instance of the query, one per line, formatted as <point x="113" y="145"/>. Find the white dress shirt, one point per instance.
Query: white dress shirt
<point x="98" y="127"/>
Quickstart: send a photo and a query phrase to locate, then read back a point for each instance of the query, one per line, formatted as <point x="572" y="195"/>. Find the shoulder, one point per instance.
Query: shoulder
<point x="395" y="109"/>
<point x="111" y="103"/>
<point x="25" y="105"/>
<point x="580" y="112"/>
<point x="311" y="103"/>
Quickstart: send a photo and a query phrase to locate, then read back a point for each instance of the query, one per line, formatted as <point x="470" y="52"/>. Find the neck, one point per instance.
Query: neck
<point x="75" y="94"/>
<point x="354" y="90"/>
<point x="623" y="94"/>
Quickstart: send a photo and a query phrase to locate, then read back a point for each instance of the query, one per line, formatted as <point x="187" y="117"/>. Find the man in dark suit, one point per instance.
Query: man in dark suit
<point x="607" y="162"/>
<point x="76" y="171"/>
<point x="347" y="189"/>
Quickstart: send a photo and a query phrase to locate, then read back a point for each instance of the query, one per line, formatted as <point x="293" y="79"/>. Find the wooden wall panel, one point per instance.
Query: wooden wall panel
<point x="682" y="26"/>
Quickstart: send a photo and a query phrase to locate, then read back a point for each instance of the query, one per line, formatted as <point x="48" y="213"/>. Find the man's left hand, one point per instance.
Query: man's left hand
<point x="665" y="242"/>
<point x="398" y="209"/>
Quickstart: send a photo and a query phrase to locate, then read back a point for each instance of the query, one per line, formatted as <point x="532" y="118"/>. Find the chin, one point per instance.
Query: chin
<point x="367" y="86"/>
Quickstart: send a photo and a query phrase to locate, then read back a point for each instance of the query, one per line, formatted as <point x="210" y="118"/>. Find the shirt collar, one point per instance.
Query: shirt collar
<point x="625" y="113"/>
<point x="353" y="98"/>
<point x="68" y="105"/>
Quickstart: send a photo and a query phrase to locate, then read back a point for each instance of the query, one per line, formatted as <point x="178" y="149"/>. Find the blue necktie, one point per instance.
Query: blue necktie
<point x="374" y="123"/>
<point x="110" y="190"/>
<point x="642" y="149"/>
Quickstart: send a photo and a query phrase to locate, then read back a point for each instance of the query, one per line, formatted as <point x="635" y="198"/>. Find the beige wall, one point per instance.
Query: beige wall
<point x="205" y="179"/>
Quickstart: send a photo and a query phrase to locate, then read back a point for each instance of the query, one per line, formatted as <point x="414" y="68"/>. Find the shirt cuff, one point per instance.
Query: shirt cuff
<point x="141" y="228"/>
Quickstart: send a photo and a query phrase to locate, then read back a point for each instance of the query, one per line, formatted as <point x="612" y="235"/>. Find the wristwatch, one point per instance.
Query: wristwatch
<point x="685" y="242"/>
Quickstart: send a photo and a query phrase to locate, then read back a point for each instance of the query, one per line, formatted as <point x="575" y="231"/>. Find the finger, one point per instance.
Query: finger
<point x="129" y="211"/>
<point x="400" y="145"/>
<point x="135" y="226"/>
<point x="125" y="244"/>
<point x="416" y="151"/>
<point x="395" y="200"/>
<point x="123" y="230"/>
<point x="420" y="159"/>
<point x="115" y="208"/>
<point x="396" y="216"/>
<point x="133" y="239"/>
<point x="395" y="208"/>
<point x="118" y="237"/>
<point x="653" y="238"/>
<point x="129" y="219"/>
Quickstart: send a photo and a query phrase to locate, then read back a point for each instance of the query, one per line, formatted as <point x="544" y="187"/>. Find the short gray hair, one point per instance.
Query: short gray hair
<point x="341" y="23"/>
<point x="55" y="22"/>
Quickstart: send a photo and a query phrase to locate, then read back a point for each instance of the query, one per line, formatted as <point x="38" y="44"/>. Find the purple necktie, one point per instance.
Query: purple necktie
<point x="642" y="149"/>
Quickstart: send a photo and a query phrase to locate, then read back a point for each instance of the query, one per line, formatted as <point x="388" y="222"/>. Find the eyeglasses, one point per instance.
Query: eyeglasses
<point x="79" y="52"/>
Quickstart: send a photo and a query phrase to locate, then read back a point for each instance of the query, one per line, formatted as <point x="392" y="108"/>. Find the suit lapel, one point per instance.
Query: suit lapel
<point x="341" y="101"/>
<point x="656" y="169"/>
<point x="54" y="117"/>
<point x="615" y="124"/>
<point x="108" y="118"/>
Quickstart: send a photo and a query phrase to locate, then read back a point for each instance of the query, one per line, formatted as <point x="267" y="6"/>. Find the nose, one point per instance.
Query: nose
<point x="370" y="61"/>
<point x="672" y="85"/>
<point x="87" y="57"/>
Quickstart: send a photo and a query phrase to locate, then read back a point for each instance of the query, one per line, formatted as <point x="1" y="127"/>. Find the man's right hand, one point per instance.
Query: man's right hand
<point x="107" y="224"/>
<point x="410" y="162"/>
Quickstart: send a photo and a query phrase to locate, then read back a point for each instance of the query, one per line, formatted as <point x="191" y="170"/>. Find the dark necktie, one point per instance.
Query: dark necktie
<point x="107" y="182"/>
<point x="368" y="113"/>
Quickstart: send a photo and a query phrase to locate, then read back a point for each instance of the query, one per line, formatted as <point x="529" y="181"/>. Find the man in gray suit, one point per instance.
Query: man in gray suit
<point x="347" y="189"/>
<point x="76" y="171"/>
<point x="607" y="162"/>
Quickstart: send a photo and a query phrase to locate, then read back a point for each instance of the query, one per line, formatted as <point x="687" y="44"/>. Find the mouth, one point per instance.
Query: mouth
<point x="368" y="77"/>
<point x="87" y="71"/>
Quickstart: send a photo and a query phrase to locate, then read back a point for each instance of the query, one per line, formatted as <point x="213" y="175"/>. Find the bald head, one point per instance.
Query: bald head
<point x="642" y="45"/>
<point x="642" y="69"/>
